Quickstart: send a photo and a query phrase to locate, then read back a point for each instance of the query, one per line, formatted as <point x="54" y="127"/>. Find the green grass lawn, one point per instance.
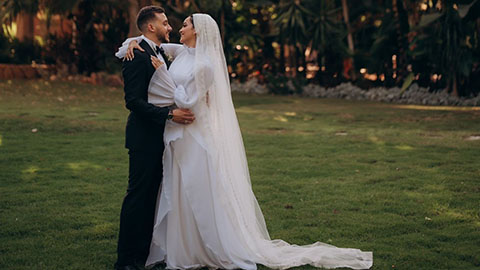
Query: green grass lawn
<point x="403" y="183"/>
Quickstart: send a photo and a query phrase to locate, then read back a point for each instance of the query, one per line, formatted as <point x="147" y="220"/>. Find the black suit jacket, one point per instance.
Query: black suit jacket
<point x="146" y="122"/>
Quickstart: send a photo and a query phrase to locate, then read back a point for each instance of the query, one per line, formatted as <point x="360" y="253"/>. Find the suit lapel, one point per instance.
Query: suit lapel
<point x="147" y="48"/>
<point x="149" y="51"/>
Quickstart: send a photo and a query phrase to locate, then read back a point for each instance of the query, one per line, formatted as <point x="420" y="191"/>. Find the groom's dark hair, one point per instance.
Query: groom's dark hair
<point x="146" y="14"/>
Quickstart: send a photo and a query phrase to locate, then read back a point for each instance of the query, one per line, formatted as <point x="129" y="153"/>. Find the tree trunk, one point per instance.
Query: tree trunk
<point x="24" y="26"/>
<point x="402" y="57"/>
<point x="454" y="85"/>
<point x="222" y="22"/>
<point x="281" y="67"/>
<point x="133" y="9"/>
<point x="351" y="46"/>
<point x="293" y="60"/>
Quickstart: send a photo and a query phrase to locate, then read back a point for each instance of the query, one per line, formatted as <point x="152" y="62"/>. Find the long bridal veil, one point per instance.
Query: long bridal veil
<point x="231" y="166"/>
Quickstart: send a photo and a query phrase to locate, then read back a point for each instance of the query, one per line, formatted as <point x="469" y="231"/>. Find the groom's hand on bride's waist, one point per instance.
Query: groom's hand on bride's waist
<point x="182" y="116"/>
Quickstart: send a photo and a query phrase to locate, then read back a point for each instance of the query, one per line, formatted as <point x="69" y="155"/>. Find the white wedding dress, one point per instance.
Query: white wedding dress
<point x="207" y="214"/>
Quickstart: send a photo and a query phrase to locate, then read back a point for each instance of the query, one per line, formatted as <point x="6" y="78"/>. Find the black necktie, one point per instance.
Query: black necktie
<point x="161" y="51"/>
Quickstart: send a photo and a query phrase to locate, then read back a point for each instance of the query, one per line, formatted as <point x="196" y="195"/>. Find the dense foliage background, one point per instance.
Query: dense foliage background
<point x="369" y="42"/>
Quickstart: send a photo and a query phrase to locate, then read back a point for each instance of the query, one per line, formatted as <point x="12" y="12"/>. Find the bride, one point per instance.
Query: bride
<point x="207" y="214"/>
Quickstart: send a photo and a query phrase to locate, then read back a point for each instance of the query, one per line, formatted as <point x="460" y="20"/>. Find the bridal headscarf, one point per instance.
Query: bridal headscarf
<point x="231" y="167"/>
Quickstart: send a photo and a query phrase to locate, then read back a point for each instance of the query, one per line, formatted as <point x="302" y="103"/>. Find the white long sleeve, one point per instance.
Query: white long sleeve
<point x="122" y="51"/>
<point x="188" y="96"/>
<point x="171" y="49"/>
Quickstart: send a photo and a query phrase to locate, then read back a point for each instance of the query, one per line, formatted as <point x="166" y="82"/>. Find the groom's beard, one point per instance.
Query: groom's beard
<point x="163" y="38"/>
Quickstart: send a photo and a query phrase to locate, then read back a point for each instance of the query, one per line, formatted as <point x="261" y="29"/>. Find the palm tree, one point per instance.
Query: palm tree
<point x="445" y="42"/>
<point x="95" y="31"/>
<point x="292" y="33"/>
<point x="327" y="40"/>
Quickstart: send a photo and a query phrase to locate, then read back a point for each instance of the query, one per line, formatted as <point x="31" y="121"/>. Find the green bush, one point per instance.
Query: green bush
<point x="280" y="84"/>
<point x="18" y="52"/>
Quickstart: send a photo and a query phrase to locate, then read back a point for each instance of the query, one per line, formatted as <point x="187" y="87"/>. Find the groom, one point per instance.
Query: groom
<point x="144" y="140"/>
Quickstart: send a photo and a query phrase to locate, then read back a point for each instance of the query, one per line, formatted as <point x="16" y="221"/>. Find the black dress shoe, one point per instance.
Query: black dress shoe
<point x="127" y="267"/>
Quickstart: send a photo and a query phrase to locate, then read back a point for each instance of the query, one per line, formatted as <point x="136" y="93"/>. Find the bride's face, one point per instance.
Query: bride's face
<point x="187" y="32"/>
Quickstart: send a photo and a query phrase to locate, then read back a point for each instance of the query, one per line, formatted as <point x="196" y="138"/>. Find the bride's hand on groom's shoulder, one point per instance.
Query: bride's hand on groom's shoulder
<point x="131" y="46"/>
<point x="156" y="62"/>
<point x="182" y="116"/>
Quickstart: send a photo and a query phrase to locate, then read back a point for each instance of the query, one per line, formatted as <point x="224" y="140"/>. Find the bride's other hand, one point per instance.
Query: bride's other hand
<point x="156" y="62"/>
<point x="132" y="45"/>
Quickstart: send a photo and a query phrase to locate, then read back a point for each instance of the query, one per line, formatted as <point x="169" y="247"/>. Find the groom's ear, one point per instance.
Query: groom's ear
<point x="150" y="27"/>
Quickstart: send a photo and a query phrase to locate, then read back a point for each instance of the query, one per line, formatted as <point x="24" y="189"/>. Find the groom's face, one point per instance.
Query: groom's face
<point x="161" y="27"/>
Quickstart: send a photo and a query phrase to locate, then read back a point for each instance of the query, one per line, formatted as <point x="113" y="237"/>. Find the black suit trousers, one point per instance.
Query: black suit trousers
<point x="138" y="208"/>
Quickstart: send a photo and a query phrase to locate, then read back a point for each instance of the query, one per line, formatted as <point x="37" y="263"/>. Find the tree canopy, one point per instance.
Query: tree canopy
<point x="369" y="42"/>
